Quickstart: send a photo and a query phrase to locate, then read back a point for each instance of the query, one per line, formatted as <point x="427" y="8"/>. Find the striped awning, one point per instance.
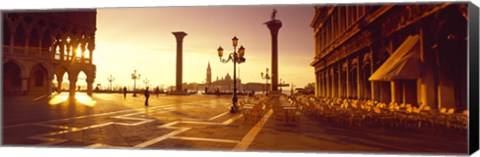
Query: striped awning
<point x="403" y="64"/>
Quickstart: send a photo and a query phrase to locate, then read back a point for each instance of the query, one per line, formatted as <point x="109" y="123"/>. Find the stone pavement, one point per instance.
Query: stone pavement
<point x="194" y="122"/>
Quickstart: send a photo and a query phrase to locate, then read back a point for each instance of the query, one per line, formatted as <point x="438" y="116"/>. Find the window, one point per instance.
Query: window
<point x="317" y="44"/>
<point x="340" y="20"/>
<point x="352" y="15"/>
<point x="329" y="33"/>
<point x="332" y="26"/>
<point x="360" y="10"/>
<point x="347" y="17"/>
<point x="335" y="23"/>
<point x="324" y="39"/>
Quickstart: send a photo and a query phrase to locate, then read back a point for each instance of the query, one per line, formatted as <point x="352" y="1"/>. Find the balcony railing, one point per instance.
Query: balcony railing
<point x="23" y="52"/>
<point x="69" y="59"/>
<point x="39" y="53"/>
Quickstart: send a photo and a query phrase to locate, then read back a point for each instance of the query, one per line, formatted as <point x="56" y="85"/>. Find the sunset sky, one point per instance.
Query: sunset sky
<point x="142" y="39"/>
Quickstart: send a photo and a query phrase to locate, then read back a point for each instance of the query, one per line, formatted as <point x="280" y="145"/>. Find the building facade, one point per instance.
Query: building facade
<point x="40" y="46"/>
<point x="404" y="53"/>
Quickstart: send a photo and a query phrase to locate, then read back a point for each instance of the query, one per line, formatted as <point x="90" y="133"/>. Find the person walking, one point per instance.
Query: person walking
<point x="124" y="92"/>
<point x="147" y="95"/>
<point x="157" y="91"/>
<point x="217" y="92"/>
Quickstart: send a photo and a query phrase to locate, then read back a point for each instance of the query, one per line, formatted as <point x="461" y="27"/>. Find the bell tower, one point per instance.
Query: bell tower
<point x="209" y="74"/>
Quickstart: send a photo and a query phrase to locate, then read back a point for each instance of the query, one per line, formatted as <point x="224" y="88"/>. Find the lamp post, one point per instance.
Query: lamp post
<point x="111" y="79"/>
<point x="266" y="77"/>
<point x="135" y="77"/>
<point x="147" y="82"/>
<point x="280" y="85"/>
<point x="235" y="57"/>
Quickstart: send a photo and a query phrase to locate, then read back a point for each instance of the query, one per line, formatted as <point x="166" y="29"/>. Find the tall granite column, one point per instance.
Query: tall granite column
<point x="274" y="25"/>
<point x="179" y="36"/>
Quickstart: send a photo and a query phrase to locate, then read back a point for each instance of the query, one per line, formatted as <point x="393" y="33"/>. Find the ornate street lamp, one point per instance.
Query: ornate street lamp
<point x="111" y="79"/>
<point x="147" y="82"/>
<point x="235" y="57"/>
<point x="266" y="77"/>
<point x="135" y="77"/>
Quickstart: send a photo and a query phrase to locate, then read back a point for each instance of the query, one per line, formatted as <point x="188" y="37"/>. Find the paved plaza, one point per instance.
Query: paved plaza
<point x="194" y="122"/>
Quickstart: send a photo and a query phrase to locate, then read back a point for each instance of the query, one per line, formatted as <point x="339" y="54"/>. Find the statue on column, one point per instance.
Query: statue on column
<point x="274" y="14"/>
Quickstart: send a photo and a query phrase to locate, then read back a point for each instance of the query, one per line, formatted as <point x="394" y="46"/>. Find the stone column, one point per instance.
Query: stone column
<point x="274" y="25"/>
<point x="359" y="83"/>
<point x="179" y="36"/>
<point x="91" y="47"/>
<point x="73" y="85"/>
<point x="324" y="83"/>
<point x="53" y="46"/>
<point x="59" y="82"/>
<point x="327" y="85"/>
<point x="82" y="43"/>
<point x="347" y="81"/>
<point x="90" y="86"/>
<point x="396" y="91"/>
<point x="332" y="84"/>
<point x="40" y="42"/>
<point x="373" y="84"/>
<point x="340" y="81"/>
<point x="70" y="56"/>
<point x="49" y="83"/>
<point x="12" y="37"/>
<point x="317" y="83"/>
<point x="24" y="85"/>
<point x="62" y="48"/>
<point x="28" y="30"/>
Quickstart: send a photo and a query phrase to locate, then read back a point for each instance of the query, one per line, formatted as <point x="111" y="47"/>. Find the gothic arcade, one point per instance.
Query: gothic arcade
<point x="38" y="45"/>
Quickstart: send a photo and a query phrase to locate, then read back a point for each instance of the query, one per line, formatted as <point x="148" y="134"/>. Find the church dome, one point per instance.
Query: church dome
<point x="227" y="77"/>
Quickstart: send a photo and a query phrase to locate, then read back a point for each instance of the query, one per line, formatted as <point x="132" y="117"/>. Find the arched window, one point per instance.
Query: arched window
<point x="39" y="78"/>
<point x="12" y="74"/>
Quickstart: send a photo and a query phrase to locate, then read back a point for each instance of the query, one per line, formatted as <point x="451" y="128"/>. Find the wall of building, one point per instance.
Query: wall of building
<point x="352" y="41"/>
<point x="43" y="44"/>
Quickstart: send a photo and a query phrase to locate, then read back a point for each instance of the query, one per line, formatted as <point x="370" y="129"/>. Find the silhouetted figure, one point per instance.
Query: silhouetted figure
<point x="157" y="91"/>
<point x="274" y="14"/>
<point x="124" y="92"/>
<point x="147" y="95"/>
<point x="217" y="92"/>
<point x="206" y="90"/>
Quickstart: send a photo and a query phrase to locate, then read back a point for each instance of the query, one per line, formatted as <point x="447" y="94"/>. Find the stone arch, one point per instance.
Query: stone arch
<point x="12" y="79"/>
<point x="344" y="79"/>
<point x="82" y="82"/>
<point x="353" y="74"/>
<point x="59" y="73"/>
<point x="48" y="67"/>
<point x="20" y="64"/>
<point x="88" y="70"/>
<point x="38" y="81"/>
